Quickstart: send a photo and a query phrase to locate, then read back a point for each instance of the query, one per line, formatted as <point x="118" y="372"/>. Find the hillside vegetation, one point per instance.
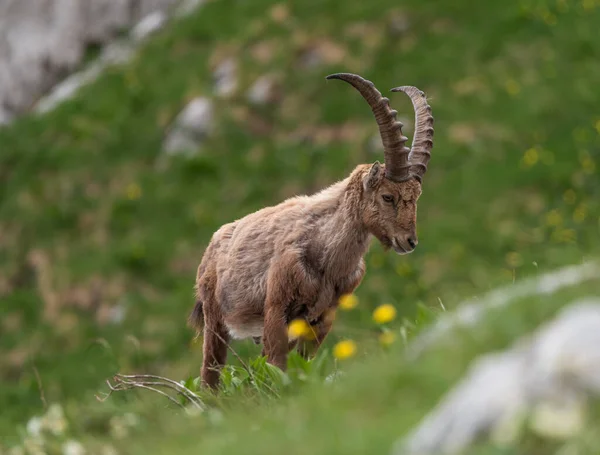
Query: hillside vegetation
<point x="101" y="236"/>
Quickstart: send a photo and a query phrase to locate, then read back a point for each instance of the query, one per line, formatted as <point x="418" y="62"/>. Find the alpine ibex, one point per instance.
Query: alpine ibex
<point x="295" y="259"/>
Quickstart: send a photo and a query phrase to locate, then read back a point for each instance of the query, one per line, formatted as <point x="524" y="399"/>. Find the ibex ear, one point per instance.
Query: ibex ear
<point x="371" y="180"/>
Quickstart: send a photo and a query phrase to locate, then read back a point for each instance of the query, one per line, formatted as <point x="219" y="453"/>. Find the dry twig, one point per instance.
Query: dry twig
<point x="151" y="382"/>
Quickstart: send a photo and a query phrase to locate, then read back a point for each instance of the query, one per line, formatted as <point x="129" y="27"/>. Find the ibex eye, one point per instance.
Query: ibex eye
<point x="388" y="197"/>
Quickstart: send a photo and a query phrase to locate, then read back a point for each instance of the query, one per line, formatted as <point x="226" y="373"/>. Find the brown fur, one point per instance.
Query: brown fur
<point x="294" y="260"/>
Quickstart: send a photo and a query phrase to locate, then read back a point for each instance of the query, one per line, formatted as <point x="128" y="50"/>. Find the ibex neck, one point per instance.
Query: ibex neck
<point x="343" y="235"/>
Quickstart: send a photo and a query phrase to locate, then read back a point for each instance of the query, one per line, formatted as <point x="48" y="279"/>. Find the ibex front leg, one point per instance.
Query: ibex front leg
<point x="280" y="287"/>
<point x="285" y="277"/>
<point x="275" y="339"/>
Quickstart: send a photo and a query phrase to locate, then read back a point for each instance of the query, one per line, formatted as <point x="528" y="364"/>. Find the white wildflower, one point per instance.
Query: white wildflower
<point x="34" y="426"/>
<point x="118" y="429"/>
<point x="54" y="420"/>
<point x="109" y="450"/>
<point x="72" y="447"/>
<point x="130" y="419"/>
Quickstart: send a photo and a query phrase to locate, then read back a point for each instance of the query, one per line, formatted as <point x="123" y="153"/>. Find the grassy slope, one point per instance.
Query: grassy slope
<point x="381" y="398"/>
<point x="513" y="180"/>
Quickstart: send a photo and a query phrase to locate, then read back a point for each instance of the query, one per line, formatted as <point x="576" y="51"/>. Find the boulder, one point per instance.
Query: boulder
<point x="545" y="380"/>
<point x="190" y="128"/>
<point x="44" y="41"/>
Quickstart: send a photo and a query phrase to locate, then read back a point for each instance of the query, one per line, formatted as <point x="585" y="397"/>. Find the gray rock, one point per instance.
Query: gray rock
<point x="5" y="117"/>
<point x="42" y="42"/>
<point x="112" y="54"/>
<point x="67" y="89"/>
<point x="105" y="18"/>
<point x="471" y="311"/>
<point x="115" y="53"/>
<point x="148" y="25"/>
<point x="187" y="7"/>
<point x="39" y="43"/>
<point x="546" y="376"/>
<point x="263" y="91"/>
<point x="191" y="127"/>
<point x="225" y="78"/>
<point x="145" y="7"/>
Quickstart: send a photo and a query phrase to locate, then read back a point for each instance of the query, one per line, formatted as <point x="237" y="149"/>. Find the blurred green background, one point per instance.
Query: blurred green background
<point x="101" y="234"/>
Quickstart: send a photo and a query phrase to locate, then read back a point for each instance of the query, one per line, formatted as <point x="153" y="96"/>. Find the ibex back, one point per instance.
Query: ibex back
<point x="296" y="259"/>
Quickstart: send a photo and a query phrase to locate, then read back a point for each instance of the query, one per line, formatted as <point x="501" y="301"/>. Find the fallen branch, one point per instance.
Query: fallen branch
<point x="151" y="382"/>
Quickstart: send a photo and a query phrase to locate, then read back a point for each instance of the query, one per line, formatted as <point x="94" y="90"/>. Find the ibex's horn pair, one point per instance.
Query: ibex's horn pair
<point x="401" y="163"/>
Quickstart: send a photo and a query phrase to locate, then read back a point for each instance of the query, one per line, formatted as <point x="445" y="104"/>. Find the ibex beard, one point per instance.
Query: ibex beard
<point x="294" y="260"/>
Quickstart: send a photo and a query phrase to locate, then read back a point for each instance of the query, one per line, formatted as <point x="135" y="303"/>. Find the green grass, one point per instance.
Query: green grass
<point x="88" y="222"/>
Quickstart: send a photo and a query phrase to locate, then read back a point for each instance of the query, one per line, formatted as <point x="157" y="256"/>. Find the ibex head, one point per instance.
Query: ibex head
<point x="391" y="190"/>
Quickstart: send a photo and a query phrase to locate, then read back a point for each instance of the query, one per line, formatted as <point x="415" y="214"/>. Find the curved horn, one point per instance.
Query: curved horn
<point x="396" y="154"/>
<point x="420" y="150"/>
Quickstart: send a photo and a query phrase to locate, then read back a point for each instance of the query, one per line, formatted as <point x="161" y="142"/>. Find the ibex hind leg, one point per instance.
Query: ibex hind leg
<point x="216" y="339"/>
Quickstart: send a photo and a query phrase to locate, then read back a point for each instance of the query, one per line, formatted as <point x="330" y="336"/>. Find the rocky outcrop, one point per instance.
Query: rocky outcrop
<point x="471" y="312"/>
<point x="544" y="382"/>
<point x="44" y="41"/>
<point x="541" y="384"/>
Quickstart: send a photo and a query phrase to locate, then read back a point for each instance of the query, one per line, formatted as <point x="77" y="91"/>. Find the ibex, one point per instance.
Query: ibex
<point x="296" y="259"/>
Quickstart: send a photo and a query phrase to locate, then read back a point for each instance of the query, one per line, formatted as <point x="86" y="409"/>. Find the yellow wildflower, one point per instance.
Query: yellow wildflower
<point x="344" y="349"/>
<point x="570" y="197"/>
<point x="386" y="338"/>
<point x="298" y="328"/>
<point x="133" y="191"/>
<point x="580" y="213"/>
<point x="348" y="301"/>
<point x="588" y="165"/>
<point x="553" y="218"/>
<point x="512" y="87"/>
<point x="588" y="5"/>
<point x="384" y="313"/>
<point x="514" y="259"/>
<point x="531" y="157"/>
<point x="564" y="236"/>
<point x="562" y="6"/>
<point x="549" y="18"/>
